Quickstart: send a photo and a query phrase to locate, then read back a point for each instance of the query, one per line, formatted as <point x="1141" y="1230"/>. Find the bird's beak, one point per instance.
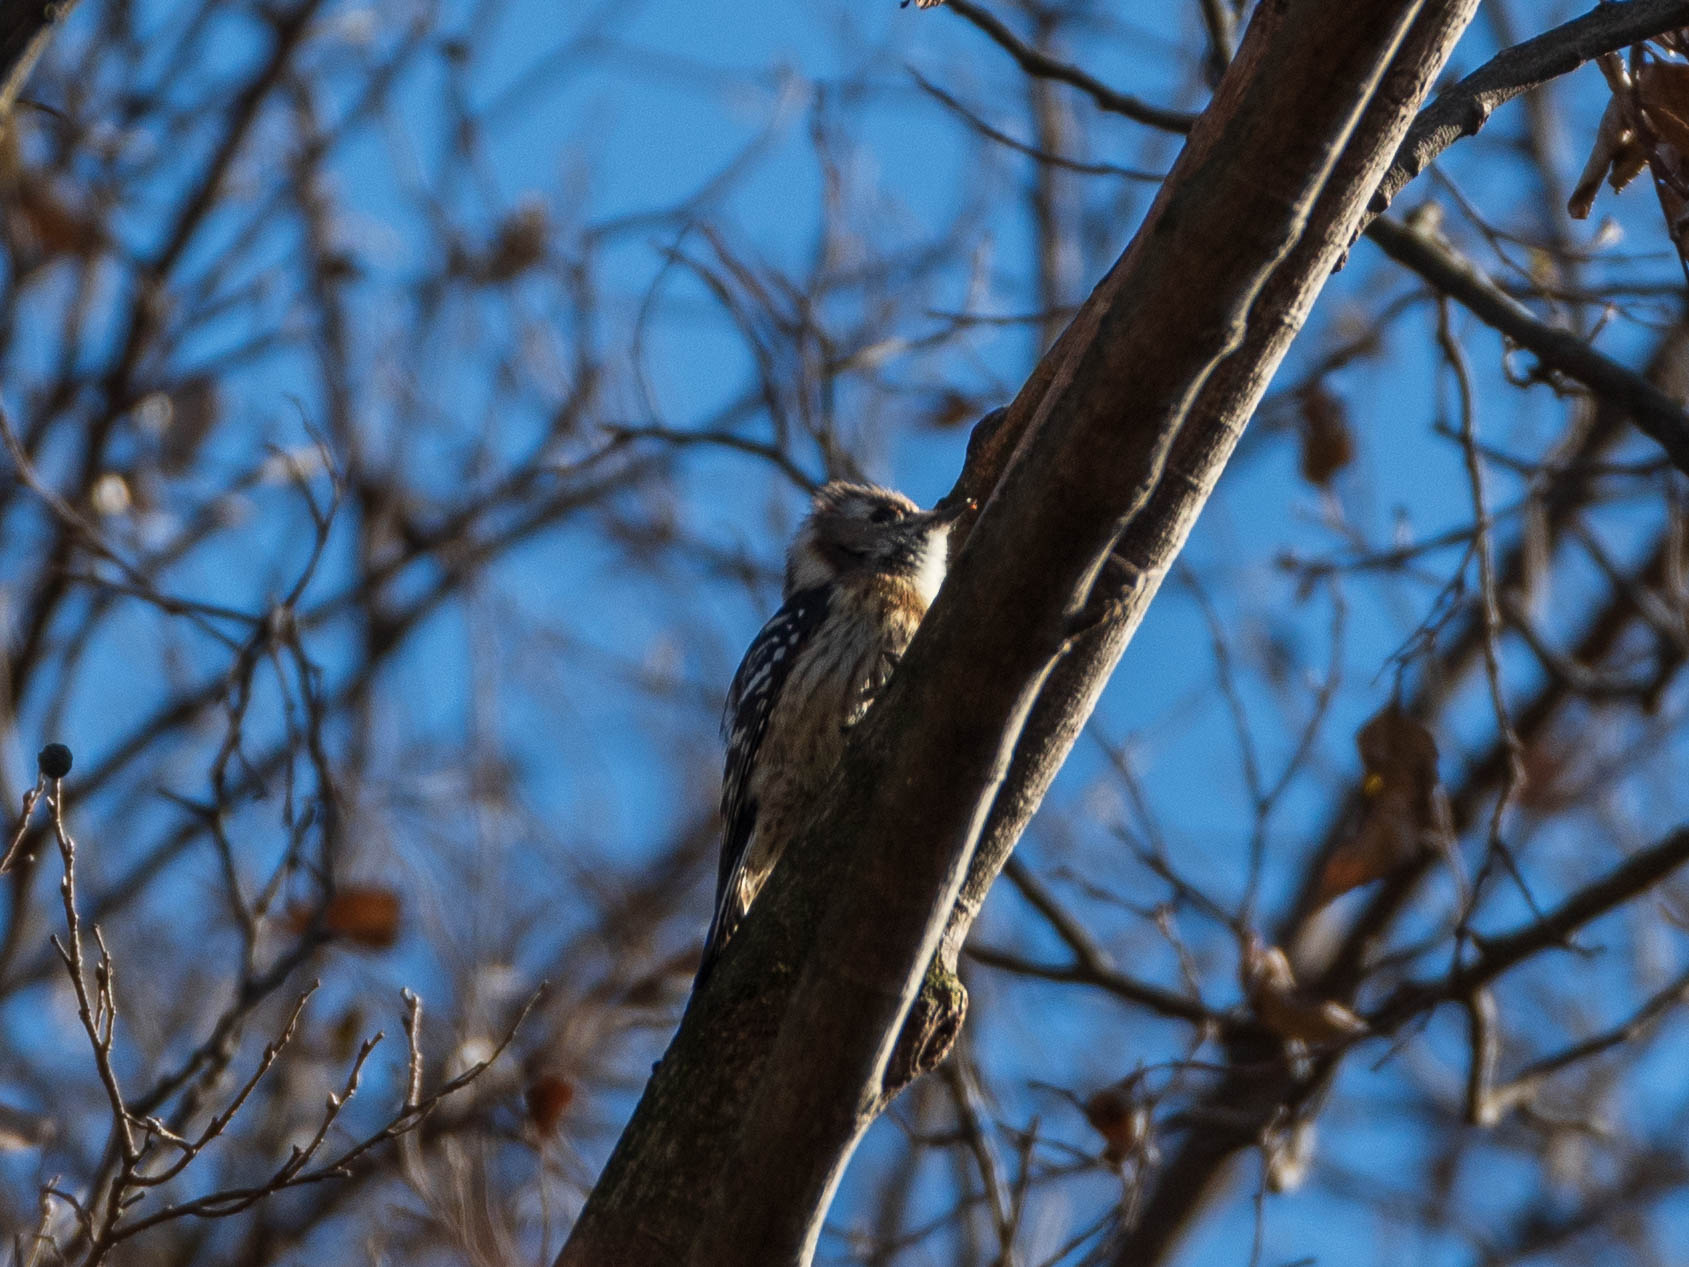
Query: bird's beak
<point x="948" y="511"/>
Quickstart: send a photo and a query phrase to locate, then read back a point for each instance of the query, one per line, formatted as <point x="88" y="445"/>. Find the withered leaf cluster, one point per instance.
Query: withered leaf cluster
<point x="1645" y="126"/>
<point x="1405" y="811"/>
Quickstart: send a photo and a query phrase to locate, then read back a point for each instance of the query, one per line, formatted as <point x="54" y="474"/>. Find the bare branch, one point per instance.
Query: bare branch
<point x="1654" y="412"/>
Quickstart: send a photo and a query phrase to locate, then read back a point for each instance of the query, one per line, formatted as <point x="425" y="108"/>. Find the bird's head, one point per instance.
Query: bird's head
<point x="863" y="528"/>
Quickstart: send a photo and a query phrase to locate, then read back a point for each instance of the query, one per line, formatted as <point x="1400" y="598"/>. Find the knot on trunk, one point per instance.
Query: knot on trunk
<point x="929" y="1031"/>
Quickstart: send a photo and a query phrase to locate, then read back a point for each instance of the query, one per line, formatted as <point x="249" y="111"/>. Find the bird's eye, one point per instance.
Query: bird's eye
<point x="883" y="515"/>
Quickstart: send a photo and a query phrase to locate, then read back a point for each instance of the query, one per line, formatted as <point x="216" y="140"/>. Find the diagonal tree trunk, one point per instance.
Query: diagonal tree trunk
<point x="745" y="1128"/>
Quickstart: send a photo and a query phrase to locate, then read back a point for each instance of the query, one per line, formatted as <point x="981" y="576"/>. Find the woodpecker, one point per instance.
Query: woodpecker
<point x="861" y="572"/>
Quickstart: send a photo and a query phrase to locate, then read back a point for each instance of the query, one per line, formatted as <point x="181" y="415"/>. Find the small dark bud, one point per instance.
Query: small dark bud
<point x="54" y="760"/>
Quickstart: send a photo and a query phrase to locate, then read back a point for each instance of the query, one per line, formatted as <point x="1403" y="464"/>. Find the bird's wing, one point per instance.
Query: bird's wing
<point x="750" y="704"/>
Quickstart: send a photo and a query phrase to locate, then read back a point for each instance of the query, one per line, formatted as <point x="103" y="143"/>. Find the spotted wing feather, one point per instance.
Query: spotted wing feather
<point x="750" y="705"/>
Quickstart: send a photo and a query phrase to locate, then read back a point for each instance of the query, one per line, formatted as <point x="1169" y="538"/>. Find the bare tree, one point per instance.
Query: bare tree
<point x="397" y="455"/>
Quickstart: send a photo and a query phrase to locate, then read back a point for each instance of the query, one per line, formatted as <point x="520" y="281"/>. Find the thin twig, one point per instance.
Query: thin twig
<point x="1043" y="66"/>
<point x="1652" y="410"/>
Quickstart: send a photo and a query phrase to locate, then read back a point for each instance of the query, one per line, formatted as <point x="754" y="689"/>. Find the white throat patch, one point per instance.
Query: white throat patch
<point x="930" y="574"/>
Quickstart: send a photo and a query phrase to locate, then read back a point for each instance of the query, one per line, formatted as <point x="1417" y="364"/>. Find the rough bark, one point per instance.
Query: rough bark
<point x="735" y="1150"/>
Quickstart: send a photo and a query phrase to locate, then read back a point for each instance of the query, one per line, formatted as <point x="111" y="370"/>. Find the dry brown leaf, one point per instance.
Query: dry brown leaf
<point x="1405" y="808"/>
<point x="519" y="244"/>
<point x="1616" y="150"/>
<point x="1556" y="769"/>
<point x="51" y="225"/>
<point x="951" y="409"/>
<point x="1121" y="1118"/>
<point x="365" y="915"/>
<point x="1328" y="443"/>
<point x="38" y="219"/>
<point x="1645" y="124"/>
<point x="1674" y="206"/>
<point x="548" y="1097"/>
<point x="1663" y="90"/>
